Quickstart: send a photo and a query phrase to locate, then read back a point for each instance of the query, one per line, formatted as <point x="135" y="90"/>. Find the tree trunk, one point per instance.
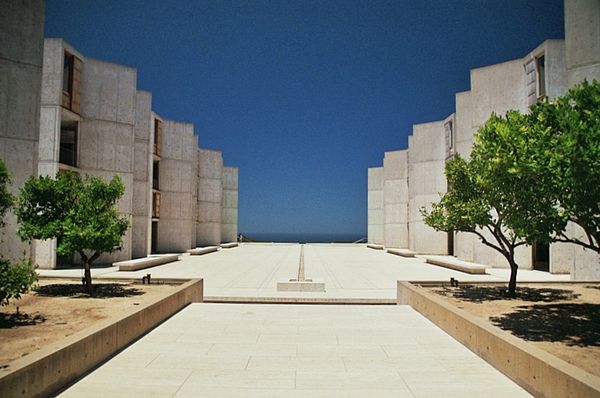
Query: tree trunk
<point x="512" y="284"/>
<point x="88" y="278"/>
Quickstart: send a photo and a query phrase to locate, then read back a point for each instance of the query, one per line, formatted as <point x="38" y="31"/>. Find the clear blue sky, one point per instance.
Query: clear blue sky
<point x="304" y="96"/>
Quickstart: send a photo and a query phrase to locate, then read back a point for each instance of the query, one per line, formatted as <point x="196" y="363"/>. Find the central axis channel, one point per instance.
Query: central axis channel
<point x="300" y="283"/>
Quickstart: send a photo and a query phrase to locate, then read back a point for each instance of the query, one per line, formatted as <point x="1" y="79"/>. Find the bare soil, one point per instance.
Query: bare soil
<point x="562" y="319"/>
<point x="59" y="308"/>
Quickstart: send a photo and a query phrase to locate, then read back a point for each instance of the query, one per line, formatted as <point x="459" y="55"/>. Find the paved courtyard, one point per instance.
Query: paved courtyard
<point x="349" y="271"/>
<point x="287" y="350"/>
<point x="261" y="350"/>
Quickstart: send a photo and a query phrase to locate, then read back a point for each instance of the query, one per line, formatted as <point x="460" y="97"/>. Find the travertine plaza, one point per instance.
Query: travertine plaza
<point x="413" y="178"/>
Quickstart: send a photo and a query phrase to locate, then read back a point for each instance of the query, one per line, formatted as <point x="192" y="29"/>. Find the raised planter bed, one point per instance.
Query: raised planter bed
<point x="50" y="369"/>
<point x="537" y="371"/>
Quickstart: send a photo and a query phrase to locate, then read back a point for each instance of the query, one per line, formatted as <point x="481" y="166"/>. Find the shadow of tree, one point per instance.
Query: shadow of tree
<point x="571" y="324"/>
<point x="102" y="290"/>
<point x="479" y="294"/>
<point x="8" y="321"/>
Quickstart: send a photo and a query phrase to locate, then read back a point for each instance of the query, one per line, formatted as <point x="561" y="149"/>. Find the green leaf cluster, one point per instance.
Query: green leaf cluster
<point x="79" y="212"/>
<point x="15" y="279"/>
<point x="6" y="198"/>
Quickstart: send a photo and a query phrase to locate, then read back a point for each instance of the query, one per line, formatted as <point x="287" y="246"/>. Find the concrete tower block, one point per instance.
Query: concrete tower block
<point x="210" y="197"/>
<point x="426" y="181"/>
<point x="375" y="206"/>
<point x="582" y="36"/>
<point x="21" y="54"/>
<point x="395" y="198"/>
<point x="106" y="134"/>
<point x="177" y="166"/>
<point x="229" y="209"/>
<point x="142" y="176"/>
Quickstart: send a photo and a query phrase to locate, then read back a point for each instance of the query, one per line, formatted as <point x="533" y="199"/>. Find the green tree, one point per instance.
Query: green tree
<point x="6" y="198"/>
<point x="17" y="278"/>
<point x="563" y="137"/>
<point x="473" y="205"/>
<point x="79" y="212"/>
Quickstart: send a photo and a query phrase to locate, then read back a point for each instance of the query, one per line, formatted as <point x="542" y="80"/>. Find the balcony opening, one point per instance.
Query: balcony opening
<point x="154" y="237"/>
<point x="71" y="82"/>
<point x="68" y="144"/>
<point x="157" y="136"/>
<point x="540" y="66"/>
<point x="155" y="176"/>
<point x="541" y="256"/>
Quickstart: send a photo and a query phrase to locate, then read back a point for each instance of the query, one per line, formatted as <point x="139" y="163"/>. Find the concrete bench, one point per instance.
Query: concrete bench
<point x="455" y="264"/>
<point x="146" y="262"/>
<point x="374" y="246"/>
<point x="402" y="252"/>
<point x="202" y="250"/>
<point x="229" y="245"/>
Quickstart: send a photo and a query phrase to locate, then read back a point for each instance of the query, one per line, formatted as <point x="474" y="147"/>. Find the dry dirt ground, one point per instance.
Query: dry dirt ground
<point x="562" y="319"/>
<point x="58" y="308"/>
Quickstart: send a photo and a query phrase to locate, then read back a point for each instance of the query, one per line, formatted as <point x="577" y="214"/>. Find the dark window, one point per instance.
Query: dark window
<point x="157" y="136"/>
<point x="68" y="145"/>
<point x="540" y="64"/>
<point x="68" y="73"/>
<point x="154" y="238"/>
<point x="155" y="176"/>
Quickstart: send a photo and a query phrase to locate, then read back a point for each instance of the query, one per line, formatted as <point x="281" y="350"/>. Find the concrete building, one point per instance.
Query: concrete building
<point x="395" y="195"/>
<point x="548" y="70"/>
<point x="21" y="59"/>
<point x="375" y="220"/>
<point x="229" y="209"/>
<point x="89" y="117"/>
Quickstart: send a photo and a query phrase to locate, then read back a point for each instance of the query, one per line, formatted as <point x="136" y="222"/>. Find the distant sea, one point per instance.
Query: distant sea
<point x="303" y="238"/>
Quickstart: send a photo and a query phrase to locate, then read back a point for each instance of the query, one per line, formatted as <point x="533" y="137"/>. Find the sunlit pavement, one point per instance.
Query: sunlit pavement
<point x="349" y="271"/>
<point x="262" y="350"/>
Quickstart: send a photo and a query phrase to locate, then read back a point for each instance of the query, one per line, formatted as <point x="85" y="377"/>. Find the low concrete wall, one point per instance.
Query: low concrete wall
<point x="537" y="371"/>
<point x="48" y="370"/>
<point x="146" y="262"/>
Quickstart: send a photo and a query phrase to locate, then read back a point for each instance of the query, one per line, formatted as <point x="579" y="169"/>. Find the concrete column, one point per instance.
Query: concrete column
<point x="375" y="206"/>
<point x="426" y="182"/>
<point x="142" y="176"/>
<point x="177" y="168"/>
<point x="106" y="134"/>
<point x="582" y="37"/>
<point x="229" y="209"/>
<point x="21" y="51"/>
<point x="494" y="88"/>
<point x="395" y="193"/>
<point x="210" y="197"/>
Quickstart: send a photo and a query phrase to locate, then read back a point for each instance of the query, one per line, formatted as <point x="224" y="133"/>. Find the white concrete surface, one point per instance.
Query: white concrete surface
<point x="220" y="350"/>
<point x="348" y="271"/>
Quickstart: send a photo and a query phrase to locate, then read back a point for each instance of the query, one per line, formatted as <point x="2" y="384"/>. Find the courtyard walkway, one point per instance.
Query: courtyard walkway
<point x="349" y="271"/>
<point x="261" y="350"/>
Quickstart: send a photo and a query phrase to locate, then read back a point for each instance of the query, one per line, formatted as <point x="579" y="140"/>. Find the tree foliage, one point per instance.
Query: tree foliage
<point x="565" y="136"/>
<point x="472" y="205"/>
<point x="15" y="278"/>
<point x="528" y="176"/>
<point x="79" y="212"/>
<point x="6" y="198"/>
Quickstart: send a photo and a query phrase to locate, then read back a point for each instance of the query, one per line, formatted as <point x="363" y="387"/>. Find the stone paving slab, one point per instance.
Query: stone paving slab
<point x="348" y="271"/>
<point x="261" y="350"/>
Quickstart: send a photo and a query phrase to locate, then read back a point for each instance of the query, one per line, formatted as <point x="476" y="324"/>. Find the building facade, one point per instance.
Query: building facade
<point x="548" y="70"/>
<point x="69" y="112"/>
